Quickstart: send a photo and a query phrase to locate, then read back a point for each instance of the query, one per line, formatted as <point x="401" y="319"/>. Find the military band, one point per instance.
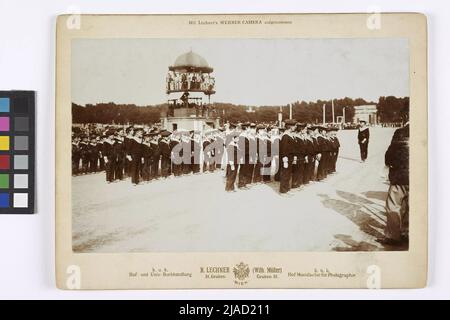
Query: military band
<point x="249" y="153"/>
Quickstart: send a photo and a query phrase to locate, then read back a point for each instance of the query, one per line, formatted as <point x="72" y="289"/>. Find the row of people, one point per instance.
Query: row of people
<point x="189" y="81"/>
<point x="297" y="155"/>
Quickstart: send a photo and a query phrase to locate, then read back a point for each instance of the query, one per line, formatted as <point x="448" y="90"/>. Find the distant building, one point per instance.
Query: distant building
<point x="366" y="113"/>
<point x="250" y="110"/>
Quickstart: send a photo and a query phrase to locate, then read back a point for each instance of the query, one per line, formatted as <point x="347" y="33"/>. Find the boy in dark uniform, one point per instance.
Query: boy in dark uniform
<point x="299" y="157"/>
<point x="220" y="142"/>
<point x="287" y="156"/>
<point x="93" y="155"/>
<point x="266" y="158"/>
<point x="175" y="144"/>
<point x="322" y="156"/>
<point x="164" y="147"/>
<point x="85" y="154"/>
<point x="101" y="162"/>
<point x="109" y="156"/>
<point x="363" y="140"/>
<point x="119" y="157"/>
<point x="231" y="147"/>
<point x="156" y="155"/>
<point x="196" y="148"/>
<point x="136" y="156"/>
<point x="212" y="152"/>
<point x="147" y="155"/>
<point x="336" y="146"/>
<point x="244" y="156"/>
<point x="261" y="142"/>
<point x="252" y="152"/>
<point x="275" y="140"/>
<point x="127" y="143"/>
<point x="309" y="151"/>
<point x="76" y="156"/>
<point x="187" y="153"/>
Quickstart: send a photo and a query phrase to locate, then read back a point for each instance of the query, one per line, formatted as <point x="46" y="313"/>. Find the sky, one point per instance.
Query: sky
<point x="248" y="71"/>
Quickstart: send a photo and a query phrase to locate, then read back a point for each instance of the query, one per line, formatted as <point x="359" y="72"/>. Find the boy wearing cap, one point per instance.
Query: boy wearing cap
<point x="156" y="155"/>
<point x="108" y="156"/>
<point x="195" y="152"/>
<point x="363" y="139"/>
<point x="232" y="147"/>
<point x="164" y="147"/>
<point x="119" y="157"/>
<point x="287" y="150"/>
<point x="136" y="156"/>
<point x="147" y="154"/>
<point x="299" y="157"/>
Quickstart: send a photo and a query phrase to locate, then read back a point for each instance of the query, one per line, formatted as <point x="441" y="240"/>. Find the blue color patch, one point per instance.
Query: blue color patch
<point x="4" y="200"/>
<point x="4" y="104"/>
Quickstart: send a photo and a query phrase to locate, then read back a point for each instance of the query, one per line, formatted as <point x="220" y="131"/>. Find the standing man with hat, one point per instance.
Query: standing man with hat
<point x="397" y="202"/>
<point x="363" y="139"/>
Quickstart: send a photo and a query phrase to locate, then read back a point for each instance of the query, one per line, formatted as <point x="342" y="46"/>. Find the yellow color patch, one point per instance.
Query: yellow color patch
<point x="4" y="143"/>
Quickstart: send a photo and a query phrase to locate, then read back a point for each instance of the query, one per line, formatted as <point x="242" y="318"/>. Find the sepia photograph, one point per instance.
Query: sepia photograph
<point x="240" y="145"/>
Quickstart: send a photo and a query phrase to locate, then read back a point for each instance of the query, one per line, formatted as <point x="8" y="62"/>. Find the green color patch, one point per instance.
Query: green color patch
<point x="4" y="181"/>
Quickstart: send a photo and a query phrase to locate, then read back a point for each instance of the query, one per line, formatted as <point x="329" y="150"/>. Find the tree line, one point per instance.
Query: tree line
<point x="390" y="109"/>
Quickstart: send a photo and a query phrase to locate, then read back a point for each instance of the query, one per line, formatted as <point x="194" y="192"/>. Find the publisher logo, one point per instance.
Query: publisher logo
<point x="241" y="273"/>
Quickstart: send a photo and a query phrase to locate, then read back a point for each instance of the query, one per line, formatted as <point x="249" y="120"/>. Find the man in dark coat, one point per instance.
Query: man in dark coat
<point x="397" y="202"/>
<point x="127" y="143"/>
<point x="287" y="149"/>
<point x="363" y="140"/>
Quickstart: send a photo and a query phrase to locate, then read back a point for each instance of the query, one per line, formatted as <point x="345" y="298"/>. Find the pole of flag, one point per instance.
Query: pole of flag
<point x="343" y="111"/>
<point x="332" y="109"/>
<point x="290" y="111"/>
<point x="323" y="117"/>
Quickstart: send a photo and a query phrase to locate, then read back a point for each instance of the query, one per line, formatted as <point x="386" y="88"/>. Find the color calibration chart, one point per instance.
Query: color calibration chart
<point x="17" y="152"/>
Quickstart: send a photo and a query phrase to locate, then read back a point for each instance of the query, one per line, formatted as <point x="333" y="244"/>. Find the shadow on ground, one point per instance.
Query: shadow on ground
<point x="355" y="207"/>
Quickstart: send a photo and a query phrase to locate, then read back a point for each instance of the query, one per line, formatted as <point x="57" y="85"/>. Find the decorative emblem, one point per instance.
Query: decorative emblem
<point x="241" y="271"/>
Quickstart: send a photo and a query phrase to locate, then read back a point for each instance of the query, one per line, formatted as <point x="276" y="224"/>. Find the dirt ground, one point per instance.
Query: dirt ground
<point x="194" y="213"/>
